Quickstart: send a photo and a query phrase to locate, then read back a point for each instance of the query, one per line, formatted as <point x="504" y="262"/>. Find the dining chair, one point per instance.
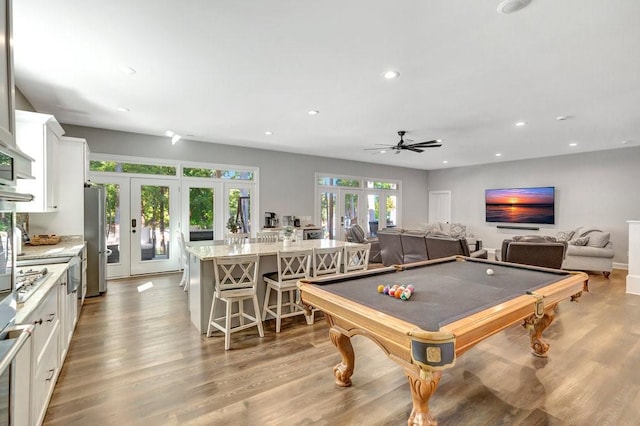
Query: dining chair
<point x="293" y="265"/>
<point x="236" y="279"/>
<point x="184" y="255"/>
<point x="237" y="238"/>
<point x="356" y="257"/>
<point x="269" y="237"/>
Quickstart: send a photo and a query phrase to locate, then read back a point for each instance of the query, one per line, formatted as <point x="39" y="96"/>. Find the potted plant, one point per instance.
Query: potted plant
<point x="288" y="235"/>
<point x="232" y="225"/>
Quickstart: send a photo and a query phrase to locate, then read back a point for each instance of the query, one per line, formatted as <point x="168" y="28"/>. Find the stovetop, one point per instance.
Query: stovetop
<point x="28" y="280"/>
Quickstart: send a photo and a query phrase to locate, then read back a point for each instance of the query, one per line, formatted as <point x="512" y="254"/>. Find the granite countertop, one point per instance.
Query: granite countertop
<point x="62" y="249"/>
<point x="205" y="250"/>
<point x="54" y="271"/>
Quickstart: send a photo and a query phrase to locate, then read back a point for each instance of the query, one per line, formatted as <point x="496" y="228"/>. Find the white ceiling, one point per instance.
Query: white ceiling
<point x="227" y="71"/>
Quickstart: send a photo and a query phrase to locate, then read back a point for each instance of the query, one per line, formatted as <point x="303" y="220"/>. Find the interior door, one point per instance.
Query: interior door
<point x="153" y="223"/>
<point x="439" y="206"/>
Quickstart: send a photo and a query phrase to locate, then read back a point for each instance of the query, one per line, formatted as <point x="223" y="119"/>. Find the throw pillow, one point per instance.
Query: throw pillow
<point x="564" y="235"/>
<point x="444" y="227"/>
<point x="357" y="233"/>
<point x="598" y="239"/>
<point x="580" y="241"/>
<point x="457" y="230"/>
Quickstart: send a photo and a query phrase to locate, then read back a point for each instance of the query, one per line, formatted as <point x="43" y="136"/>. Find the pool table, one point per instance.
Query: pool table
<point x="456" y="304"/>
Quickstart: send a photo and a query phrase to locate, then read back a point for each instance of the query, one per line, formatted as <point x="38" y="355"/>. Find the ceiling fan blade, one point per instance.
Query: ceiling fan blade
<point x="432" y="146"/>
<point x="379" y="149"/>
<point x="426" y="143"/>
<point x="410" y="148"/>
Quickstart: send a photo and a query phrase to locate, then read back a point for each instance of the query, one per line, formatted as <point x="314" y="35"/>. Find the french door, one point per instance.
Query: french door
<point x="339" y="209"/>
<point x="142" y="219"/>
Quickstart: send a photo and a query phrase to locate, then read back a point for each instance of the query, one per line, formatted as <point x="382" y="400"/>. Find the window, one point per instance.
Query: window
<point x="137" y="168"/>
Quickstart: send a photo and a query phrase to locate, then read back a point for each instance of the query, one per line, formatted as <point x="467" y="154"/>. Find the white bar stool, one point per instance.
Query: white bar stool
<point x="236" y="281"/>
<point x="293" y="265"/>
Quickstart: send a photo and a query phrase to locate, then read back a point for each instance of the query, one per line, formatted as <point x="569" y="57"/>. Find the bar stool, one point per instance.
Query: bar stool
<point x="269" y="237"/>
<point x="356" y="257"/>
<point x="292" y="266"/>
<point x="236" y="239"/>
<point x="325" y="261"/>
<point x="184" y="282"/>
<point x="236" y="281"/>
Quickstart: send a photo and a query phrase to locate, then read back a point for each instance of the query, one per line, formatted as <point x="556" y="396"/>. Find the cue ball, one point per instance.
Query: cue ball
<point x="490" y="271"/>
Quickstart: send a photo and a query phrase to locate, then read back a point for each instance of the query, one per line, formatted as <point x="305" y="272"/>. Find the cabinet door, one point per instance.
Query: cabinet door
<point x="7" y="91"/>
<point x="51" y="179"/>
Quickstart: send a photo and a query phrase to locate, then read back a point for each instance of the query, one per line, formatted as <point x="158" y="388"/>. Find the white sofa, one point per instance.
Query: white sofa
<point x="588" y="249"/>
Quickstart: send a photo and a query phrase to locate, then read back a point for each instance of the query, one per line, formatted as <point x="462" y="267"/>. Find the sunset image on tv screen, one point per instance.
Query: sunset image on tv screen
<point x="520" y="205"/>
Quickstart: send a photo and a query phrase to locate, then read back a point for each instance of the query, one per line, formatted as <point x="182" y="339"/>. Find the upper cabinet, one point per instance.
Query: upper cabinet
<point x="7" y="88"/>
<point x="38" y="135"/>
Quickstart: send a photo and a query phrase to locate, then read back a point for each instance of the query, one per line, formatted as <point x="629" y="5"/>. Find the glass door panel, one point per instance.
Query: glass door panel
<point x="201" y="214"/>
<point x="239" y="207"/>
<point x="350" y="209"/>
<point x="328" y="214"/>
<point x="373" y="214"/>
<point x="391" y="211"/>
<point x="153" y="218"/>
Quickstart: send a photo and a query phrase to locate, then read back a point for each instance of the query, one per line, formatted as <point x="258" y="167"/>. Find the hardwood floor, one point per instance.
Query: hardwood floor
<point x="136" y="360"/>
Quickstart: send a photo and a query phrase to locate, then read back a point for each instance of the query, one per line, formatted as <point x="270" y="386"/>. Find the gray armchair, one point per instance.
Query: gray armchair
<point x="390" y="246"/>
<point x="545" y="254"/>
<point x="356" y="234"/>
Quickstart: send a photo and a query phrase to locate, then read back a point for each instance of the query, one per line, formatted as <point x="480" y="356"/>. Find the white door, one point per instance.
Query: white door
<point x="154" y="221"/>
<point x="439" y="206"/>
<point x="142" y="216"/>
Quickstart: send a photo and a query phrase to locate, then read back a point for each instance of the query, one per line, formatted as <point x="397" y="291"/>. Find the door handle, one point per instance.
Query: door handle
<point x="133" y="226"/>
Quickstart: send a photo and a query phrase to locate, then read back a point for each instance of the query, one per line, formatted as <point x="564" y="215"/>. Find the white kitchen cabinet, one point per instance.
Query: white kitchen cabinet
<point x="7" y="90"/>
<point x="38" y="136"/>
<point x="71" y="172"/>
<point x="45" y="350"/>
<point x="67" y="307"/>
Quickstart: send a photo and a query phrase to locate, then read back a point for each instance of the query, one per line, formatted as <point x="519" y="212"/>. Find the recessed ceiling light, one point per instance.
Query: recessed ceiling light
<point x="573" y="144"/>
<point x="498" y="155"/>
<point x="175" y="138"/>
<point x="268" y="133"/>
<point x="313" y="112"/>
<point x="511" y="6"/>
<point x="521" y="123"/>
<point x="169" y="133"/>
<point x="123" y="109"/>
<point x="562" y="117"/>
<point x="383" y="151"/>
<point x="445" y="161"/>
<point x="127" y="70"/>
<point x="391" y="74"/>
<point x="624" y="142"/>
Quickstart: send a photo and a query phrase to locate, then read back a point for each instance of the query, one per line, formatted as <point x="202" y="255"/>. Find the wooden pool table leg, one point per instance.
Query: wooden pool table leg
<point x="421" y="391"/>
<point x="343" y="370"/>
<point x="536" y="326"/>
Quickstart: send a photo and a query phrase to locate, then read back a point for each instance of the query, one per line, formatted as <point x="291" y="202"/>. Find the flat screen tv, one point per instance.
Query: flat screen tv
<point x="521" y="205"/>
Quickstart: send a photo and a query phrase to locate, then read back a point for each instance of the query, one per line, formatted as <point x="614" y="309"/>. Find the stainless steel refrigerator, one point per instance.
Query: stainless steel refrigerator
<point x="95" y="235"/>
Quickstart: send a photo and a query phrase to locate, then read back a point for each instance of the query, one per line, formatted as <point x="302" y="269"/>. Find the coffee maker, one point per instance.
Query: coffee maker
<point x="270" y="220"/>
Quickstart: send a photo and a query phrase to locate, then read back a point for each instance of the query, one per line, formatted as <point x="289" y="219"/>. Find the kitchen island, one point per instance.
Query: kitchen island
<point x="201" y="275"/>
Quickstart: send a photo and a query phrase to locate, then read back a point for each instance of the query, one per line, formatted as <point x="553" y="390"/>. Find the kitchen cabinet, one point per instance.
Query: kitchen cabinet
<point x="68" y="308"/>
<point x="45" y="350"/>
<point x="38" y="136"/>
<point x="7" y="88"/>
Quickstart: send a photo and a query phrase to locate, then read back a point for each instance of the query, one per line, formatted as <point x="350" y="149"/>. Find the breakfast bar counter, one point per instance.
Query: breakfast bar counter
<point x="201" y="275"/>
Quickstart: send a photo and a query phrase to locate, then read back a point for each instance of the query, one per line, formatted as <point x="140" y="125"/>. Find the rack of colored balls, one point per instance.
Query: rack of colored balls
<point x="398" y="291"/>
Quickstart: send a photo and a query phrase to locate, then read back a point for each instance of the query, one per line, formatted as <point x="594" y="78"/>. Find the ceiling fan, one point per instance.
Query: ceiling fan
<point x="415" y="147"/>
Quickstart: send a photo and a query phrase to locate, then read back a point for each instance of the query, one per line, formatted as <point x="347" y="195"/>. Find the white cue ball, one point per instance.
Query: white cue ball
<point x="489" y="271"/>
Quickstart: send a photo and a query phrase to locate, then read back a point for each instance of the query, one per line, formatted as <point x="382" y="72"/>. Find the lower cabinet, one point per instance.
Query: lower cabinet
<point x="48" y="344"/>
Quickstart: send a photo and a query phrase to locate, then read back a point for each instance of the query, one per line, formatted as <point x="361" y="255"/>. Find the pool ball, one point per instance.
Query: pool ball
<point x="386" y="289"/>
<point x="398" y="293"/>
<point x="380" y="288"/>
<point x="406" y="294"/>
<point x="411" y="288"/>
<point x="392" y="292"/>
<point x="490" y="271"/>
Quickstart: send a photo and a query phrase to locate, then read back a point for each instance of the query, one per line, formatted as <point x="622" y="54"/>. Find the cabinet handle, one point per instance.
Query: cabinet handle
<point x="51" y="317"/>
<point x="38" y="322"/>
<point x="51" y="374"/>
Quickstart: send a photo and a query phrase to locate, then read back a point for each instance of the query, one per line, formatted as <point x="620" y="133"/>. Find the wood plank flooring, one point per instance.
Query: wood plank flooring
<point x="135" y="359"/>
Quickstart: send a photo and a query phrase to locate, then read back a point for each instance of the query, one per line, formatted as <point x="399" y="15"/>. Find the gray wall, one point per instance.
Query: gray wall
<point x="596" y="188"/>
<point x="286" y="180"/>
